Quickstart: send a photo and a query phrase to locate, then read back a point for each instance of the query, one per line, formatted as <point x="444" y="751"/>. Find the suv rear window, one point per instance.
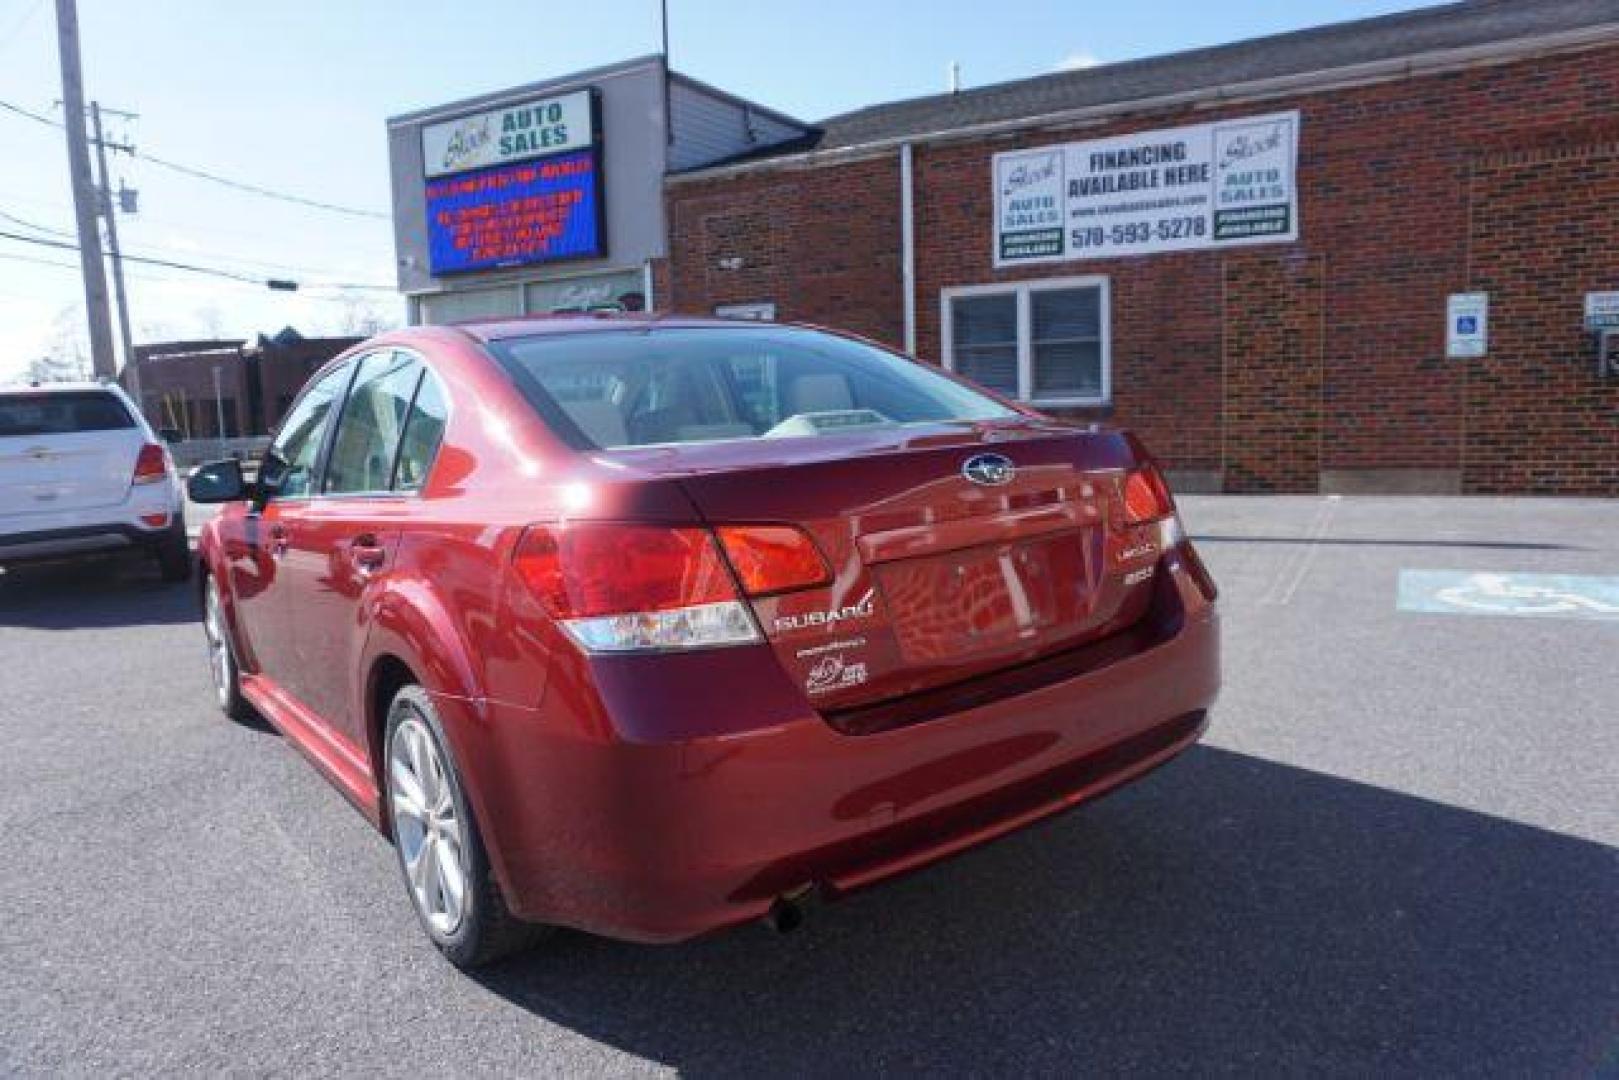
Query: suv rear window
<point x="682" y="385"/>
<point x="61" y="414"/>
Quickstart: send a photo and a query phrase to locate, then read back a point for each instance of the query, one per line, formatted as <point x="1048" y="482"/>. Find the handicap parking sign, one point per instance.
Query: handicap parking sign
<point x="1490" y="592"/>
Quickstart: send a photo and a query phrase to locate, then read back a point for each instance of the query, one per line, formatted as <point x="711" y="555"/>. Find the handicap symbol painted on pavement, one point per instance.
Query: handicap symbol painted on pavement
<point x="1480" y="592"/>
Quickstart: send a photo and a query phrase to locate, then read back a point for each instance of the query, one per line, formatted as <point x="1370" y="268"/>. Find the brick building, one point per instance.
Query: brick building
<point x="193" y="386"/>
<point x="1472" y="148"/>
<point x="1351" y="258"/>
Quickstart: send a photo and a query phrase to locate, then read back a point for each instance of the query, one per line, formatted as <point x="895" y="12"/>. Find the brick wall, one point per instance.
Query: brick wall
<point x="1545" y="232"/>
<point x="823" y="245"/>
<point x="1273" y="378"/>
<point x="1501" y="179"/>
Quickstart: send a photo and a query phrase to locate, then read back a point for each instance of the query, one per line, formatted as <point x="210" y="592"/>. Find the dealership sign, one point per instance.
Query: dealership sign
<point x="1214" y="185"/>
<point x="515" y="186"/>
<point x="533" y="129"/>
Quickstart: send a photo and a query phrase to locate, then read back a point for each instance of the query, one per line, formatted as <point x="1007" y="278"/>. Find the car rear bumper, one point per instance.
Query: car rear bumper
<point x="83" y="540"/>
<point x="596" y="824"/>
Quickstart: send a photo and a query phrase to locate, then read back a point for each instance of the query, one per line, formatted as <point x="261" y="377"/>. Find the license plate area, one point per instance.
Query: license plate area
<point x="990" y="599"/>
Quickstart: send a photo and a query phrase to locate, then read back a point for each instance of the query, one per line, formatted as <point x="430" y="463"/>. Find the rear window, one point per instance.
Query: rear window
<point x="61" y="414"/>
<point x="654" y="387"/>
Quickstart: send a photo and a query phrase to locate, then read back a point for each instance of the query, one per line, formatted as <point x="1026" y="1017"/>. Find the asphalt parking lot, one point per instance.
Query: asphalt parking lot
<point x="1396" y="852"/>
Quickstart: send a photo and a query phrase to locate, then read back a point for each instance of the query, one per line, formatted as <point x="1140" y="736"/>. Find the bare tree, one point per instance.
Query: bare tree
<point x="155" y="330"/>
<point x="67" y="355"/>
<point x="49" y="369"/>
<point x="212" y="322"/>
<point x="361" y="317"/>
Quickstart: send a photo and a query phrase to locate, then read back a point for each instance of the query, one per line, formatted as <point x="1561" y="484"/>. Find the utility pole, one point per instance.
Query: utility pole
<point x="668" y="109"/>
<point x="219" y="407"/>
<point x="119" y="292"/>
<point x="84" y="197"/>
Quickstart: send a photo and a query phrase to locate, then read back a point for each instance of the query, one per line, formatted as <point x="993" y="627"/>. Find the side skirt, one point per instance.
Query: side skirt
<point x="339" y="760"/>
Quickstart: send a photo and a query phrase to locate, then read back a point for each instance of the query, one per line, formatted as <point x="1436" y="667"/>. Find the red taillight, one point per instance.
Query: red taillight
<point x="1146" y="496"/>
<point x="772" y="559"/>
<point x="585" y="570"/>
<point x="627" y="588"/>
<point x="151" y="465"/>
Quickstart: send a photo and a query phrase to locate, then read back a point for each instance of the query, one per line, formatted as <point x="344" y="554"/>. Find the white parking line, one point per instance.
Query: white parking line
<point x="1297" y="566"/>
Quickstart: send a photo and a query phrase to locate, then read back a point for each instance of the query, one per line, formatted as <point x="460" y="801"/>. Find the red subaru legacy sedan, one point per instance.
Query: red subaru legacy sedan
<point x="649" y="626"/>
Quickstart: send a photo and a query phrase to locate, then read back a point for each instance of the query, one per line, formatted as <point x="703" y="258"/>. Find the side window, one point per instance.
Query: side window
<point x="424" y="428"/>
<point x="289" y="467"/>
<point x="373" y="419"/>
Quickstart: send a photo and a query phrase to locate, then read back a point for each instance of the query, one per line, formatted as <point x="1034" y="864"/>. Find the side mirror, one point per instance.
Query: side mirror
<point x="171" y="435"/>
<point x="217" y="482"/>
<point x="272" y="474"/>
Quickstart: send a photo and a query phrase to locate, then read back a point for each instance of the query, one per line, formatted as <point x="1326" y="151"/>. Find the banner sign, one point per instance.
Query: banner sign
<point x="533" y="129"/>
<point x="1216" y="185"/>
<point x="539" y="211"/>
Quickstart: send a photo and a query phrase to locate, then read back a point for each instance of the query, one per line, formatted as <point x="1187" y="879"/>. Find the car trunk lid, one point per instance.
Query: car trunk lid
<point x="941" y="570"/>
<point x="65" y="472"/>
<point x="65" y="450"/>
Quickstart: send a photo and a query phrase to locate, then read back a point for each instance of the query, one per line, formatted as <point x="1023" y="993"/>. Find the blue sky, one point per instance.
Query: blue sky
<point x="292" y="95"/>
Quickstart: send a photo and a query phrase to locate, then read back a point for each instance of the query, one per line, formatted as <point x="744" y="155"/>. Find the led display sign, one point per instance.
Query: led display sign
<point x="511" y="215"/>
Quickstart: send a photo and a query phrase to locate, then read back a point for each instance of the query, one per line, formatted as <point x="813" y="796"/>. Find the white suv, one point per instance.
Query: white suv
<point x="82" y="474"/>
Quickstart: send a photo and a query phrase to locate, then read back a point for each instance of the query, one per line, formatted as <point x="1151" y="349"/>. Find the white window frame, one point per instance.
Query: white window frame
<point x="1023" y="290"/>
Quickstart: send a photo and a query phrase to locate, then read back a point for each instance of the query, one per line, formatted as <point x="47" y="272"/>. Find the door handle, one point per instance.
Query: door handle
<point x="366" y="554"/>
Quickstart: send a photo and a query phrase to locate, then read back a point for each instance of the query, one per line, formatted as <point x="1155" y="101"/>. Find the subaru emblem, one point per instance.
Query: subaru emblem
<point x="990" y="470"/>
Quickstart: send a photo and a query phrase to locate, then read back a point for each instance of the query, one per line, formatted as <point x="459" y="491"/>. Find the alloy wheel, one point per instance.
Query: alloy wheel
<point x="426" y="828"/>
<point x="220" y="662"/>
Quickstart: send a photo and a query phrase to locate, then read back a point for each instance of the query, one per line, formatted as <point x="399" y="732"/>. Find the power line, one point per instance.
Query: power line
<point x="224" y="181"/>
<point x="49" y="230"/>
<point x="66" y="245"/>
<point x="212" y="271"/>
<point x="223" y="233"/>
<point x="37" y="262"/>
<point x="166" y="249"/>
<point x="11" y="32"/>
<point x="15" y="257"/>
<point x="254" y="189"/>
<point x="20" y="111"/>
<point x="15" y="220"/>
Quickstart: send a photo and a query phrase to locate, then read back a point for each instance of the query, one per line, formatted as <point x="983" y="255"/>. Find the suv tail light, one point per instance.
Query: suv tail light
<point x="771" y="559"/>
<point x="632" y="588"/>
<point x="151" y="465"/>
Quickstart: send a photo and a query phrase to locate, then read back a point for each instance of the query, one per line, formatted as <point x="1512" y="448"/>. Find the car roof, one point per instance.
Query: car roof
<point x="487" y="330"/>
<point x="55" y="388"/>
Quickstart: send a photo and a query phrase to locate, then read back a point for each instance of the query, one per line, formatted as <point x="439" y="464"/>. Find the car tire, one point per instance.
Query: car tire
<point x="174" y="558"/>
<point x="227" y="674"/>
<point x="439" y="847"/>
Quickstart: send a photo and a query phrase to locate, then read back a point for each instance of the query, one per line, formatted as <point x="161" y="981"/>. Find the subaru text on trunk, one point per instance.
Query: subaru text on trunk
<point x="650" y="626"/>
